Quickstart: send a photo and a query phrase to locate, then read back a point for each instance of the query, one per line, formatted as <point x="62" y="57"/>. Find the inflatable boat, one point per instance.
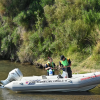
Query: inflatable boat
<point x="79" y="82"/>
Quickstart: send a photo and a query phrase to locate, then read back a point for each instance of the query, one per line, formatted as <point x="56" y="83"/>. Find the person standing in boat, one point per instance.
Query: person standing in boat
<point x="65" y="63"/>
<point x="50" y="65"/>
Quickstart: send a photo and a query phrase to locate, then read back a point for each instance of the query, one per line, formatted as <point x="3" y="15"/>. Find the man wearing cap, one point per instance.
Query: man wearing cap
<point x="66" y="63"/>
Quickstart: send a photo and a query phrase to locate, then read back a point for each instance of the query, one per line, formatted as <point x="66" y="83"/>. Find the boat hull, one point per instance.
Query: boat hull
<point x="82" y="83"/>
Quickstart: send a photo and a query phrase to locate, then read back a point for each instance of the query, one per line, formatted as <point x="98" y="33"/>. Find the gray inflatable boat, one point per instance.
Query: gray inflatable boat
<point x="78" y="82"/>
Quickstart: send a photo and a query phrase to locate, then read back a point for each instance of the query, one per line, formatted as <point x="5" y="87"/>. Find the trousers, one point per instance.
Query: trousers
<point x="68" y="70"/>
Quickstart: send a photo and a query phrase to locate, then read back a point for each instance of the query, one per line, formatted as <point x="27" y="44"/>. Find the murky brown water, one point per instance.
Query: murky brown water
<point x="28" y="70"/>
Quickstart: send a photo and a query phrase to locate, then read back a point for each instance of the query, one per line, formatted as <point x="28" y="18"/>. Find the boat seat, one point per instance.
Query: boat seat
<point x="44" y="77"/>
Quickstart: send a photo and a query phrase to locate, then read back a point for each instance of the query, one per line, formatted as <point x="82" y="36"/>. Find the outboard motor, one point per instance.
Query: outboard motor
<point x="14" y="75"/>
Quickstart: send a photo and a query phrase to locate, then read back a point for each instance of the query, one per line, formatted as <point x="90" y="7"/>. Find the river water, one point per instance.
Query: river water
<point x="29" y="70"/>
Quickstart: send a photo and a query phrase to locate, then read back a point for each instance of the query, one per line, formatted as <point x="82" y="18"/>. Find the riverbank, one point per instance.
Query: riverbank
<point x="78" y="66"/>
<point x="80" y="63"/>
<point x="32" y="29"/>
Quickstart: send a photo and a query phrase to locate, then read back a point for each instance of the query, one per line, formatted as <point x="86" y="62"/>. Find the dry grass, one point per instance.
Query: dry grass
<point x="85" y="66"/>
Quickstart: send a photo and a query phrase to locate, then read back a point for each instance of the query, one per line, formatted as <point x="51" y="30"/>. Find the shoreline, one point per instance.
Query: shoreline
<point x="40" y="63"/>
<point x="75" y="69"/>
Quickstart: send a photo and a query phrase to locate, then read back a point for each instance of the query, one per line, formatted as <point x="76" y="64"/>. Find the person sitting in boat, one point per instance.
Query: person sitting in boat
<point x="65" y="63"/>
<point x="50" y="65"/>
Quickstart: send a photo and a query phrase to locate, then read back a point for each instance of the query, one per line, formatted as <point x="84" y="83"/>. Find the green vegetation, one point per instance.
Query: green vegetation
<point x="34" y="29"/>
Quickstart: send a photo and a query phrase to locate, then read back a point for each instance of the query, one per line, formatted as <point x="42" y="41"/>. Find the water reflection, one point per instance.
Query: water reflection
<point x="10" y="95"/>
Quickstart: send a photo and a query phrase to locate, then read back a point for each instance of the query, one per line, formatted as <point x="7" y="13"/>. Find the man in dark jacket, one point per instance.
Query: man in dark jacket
<point x="66" y="63"/>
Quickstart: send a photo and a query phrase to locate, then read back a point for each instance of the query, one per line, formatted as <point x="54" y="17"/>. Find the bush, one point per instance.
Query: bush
<point x="96" y="52"/>
<point x="51" y="27"/>
<point x="15" y="37"/>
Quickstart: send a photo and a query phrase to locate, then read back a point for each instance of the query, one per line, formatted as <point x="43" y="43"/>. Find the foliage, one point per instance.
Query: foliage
<point x="51" y="27"/>
<point x="96" y="52"/>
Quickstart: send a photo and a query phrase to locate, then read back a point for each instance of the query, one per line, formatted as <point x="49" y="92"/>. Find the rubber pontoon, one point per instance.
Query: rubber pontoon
<point x="78" y="82"/>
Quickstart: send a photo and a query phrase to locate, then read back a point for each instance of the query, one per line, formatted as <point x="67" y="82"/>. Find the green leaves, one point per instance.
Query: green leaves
<point x="50" y="27"/>
<point x="15" y="37"/>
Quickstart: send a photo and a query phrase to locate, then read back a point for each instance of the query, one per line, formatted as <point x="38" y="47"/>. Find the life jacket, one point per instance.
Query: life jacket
<point x="65" y="62"/>
<point x="50" y="65"/>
